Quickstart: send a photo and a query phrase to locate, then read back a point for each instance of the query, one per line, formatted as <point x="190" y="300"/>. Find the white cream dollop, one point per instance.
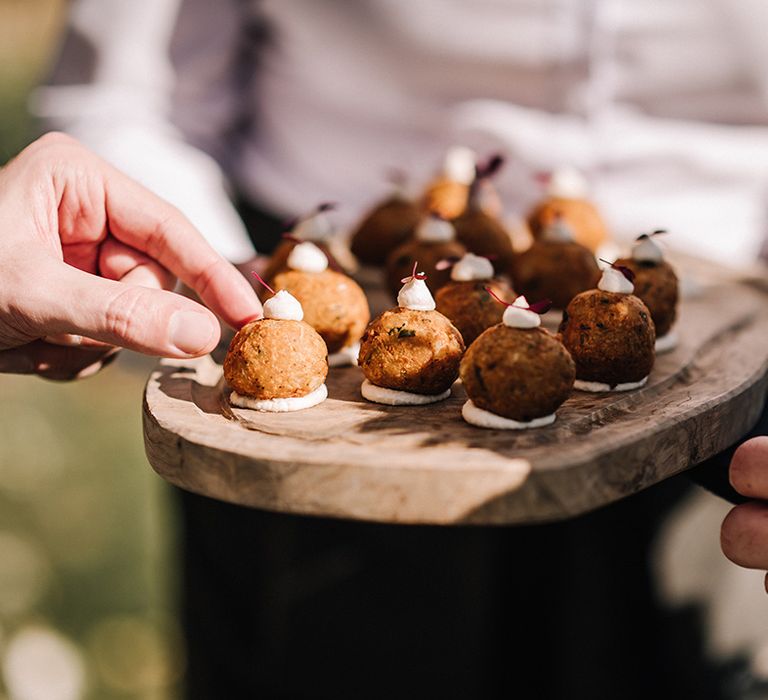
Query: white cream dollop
<point x="614" y="281"/>
<point x="599" y="387"/>
<point x="472" y="267"/>
<point x="315" y="227"/>
<point x="415" y="295"/>
<point x="559" y="231"/>
<point x="459" y="164"/>
<point x="281" y="405"/>
<point x="647" y="250"/>
<point x="307" y="257"/>
<point x="433" y="229"/>
<point x="567" y="183"/>
<point x="283" y="306"/>
<point x="518" y="315"/>
<point x="485" y="419"/>
<point x="395" y="397"/>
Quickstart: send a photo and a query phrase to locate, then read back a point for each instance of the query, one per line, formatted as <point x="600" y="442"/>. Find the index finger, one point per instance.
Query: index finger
<point x="144" y="221"/>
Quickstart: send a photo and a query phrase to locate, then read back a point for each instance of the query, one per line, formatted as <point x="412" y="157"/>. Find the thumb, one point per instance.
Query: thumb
<point x="150" y="321"/>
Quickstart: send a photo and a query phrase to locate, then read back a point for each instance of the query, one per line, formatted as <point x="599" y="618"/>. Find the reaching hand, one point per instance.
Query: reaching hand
<point x="87" y="256"/>
<point x="744" y="534"/>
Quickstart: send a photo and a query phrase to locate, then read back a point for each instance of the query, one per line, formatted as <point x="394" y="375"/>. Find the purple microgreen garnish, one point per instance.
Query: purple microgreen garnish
<point x="490" y="167"/>
<point x="625" y="271"/>
<point x="261" y="280"/>
<point x="621" y="268"/>
<point x="414" y="275"/>
<point x="334" y="264"/>
<point x="540" y="307"/>
<point x="657" y="232"/>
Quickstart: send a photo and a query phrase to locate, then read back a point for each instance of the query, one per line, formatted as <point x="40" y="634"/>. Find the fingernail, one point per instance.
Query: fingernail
<point x="191" y="332"/>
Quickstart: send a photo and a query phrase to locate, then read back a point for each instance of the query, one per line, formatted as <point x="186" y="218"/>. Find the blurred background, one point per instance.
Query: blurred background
<point x="86" y="529"/>
<point x="88" y="550"/>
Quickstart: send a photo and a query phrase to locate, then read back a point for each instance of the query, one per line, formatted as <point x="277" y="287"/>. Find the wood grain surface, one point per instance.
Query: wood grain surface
<point x="348" y="458"/>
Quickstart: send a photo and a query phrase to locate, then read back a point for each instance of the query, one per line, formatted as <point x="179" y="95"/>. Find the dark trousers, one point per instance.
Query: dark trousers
<point x="279" y="606"/>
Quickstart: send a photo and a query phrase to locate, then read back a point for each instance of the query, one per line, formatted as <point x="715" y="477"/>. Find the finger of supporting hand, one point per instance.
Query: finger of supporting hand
<point x="55" y="362"/>
<point x="147" y="320"/>
<point x="145" y="222"/>
<point x="744" y="535"/>
<point x="749" y="468"/>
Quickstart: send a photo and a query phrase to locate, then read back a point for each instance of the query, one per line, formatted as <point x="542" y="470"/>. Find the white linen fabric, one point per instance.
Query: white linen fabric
<point x="664" y="104"/>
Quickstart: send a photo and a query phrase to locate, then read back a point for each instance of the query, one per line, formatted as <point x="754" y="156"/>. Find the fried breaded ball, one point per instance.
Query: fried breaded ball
<point x="416" y="351"/>
<point x="470" y="307"/>
<point x="279" y="258"/>
<point x="484" y="235"/>
<point x="555" y="271"/>
<point x="400" y="262"/>
<point x="610" y="336"/>
<point x="384" y="228"/>
<point x="518" y="373"/>
<point x="334" y="304"/>
<point x="276" y="359"/>
<point x="656" y="284"/>
<point x="445" y="197"/>
<point x="582" y="216"/>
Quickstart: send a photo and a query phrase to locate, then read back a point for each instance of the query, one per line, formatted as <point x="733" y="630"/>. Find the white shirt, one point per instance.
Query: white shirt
<point x="663" y="103"/>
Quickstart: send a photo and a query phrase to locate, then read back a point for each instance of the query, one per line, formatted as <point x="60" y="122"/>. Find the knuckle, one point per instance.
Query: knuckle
<point x="157" y="238"/>
<point x="206" y="276"/>
<point x="122" y="314"/>
<point x="56" y="138"/>
<point x="52" y="142"/>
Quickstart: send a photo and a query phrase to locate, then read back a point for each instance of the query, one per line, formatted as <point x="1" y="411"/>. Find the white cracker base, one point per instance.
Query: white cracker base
<point x="286" y="405"/>
<point x="345" y="357"/>
<point x="485" y="419"/>
<point x="599" y="387"/>
<point x="393" y="397"/>
<point x="666" y="342"/>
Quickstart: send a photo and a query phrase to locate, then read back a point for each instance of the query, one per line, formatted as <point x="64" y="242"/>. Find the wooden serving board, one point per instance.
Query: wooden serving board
<point x="348" y="458"/>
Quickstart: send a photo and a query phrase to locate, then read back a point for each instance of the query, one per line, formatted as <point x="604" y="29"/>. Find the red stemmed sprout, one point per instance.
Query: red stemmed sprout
<point x="538" y="307"/>
<point x="623" y="269"/>
<point x="414" y="275"/>
<point x="262" y="282"/>
<point x="483" y="172"/>
<point x="657" y="232"/>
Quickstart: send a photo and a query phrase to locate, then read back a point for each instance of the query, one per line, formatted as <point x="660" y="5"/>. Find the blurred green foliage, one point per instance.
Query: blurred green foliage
<point x="29" y="34"/>
<point x="86" y="528"/>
